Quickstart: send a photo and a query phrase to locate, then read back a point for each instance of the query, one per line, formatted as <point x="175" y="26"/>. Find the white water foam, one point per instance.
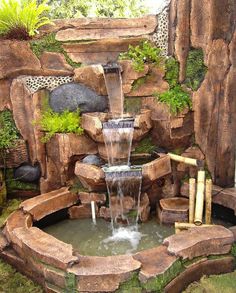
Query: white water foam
<point x="126" y="234"/>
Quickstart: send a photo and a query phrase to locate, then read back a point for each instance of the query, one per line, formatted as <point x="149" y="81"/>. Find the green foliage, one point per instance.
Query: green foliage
<point x="176" y="98"/>
<point x="145" y="146"/>
<point x="99" y="8"/>
<point x="70" y="283"/>
<point x="49" y="44"/>
<point x="195" y="69"/>
<point x="132" y="105"/>
<point x="138" y="82"/>
<point x="12" y="281"/>
<point x="131" y="285"/>
<point x="77" y="187"/>
<point x="65" y="122"/>
<point x="8" y="131"/>
<point x="172" y="72"/>
<point x="21" y="18"/>
<point x="13" y="184"/>
<point x="144" y="53"/>
<point x="223" y="283"/>
<point x="158" y="284"/>
<point x="9" y="208"/>
<point x="233" y="250"/>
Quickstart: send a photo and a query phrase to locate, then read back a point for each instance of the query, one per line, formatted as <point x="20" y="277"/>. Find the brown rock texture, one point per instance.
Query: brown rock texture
<point x="99" y="52"/>
<point x="103" y="274"/>
<point x="155" y="261"/>
<point x="55" y="64"/>
<point x="169" y="132"/>
<point x="40" y="245"/>
<point x="81" y="212"/>
<point x="210" y="25"/>
<point x="226" y="198"/>
<point x="200" y="241"/>
<point x="196" y="271"/>
<point x="103" y="28"/>
<point x="16" y="58"/>
<point x="63" y="150"/>
<point x="171" y="210"/>
<point x="5" y="85"/>
<point x="91" y="176"/>
<point x="87" y="197"/>
<point x="48" y="203"/>
<point x="91" y="76"/>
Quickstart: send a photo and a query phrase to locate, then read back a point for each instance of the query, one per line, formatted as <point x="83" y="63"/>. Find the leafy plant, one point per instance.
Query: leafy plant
<point x="172" y="72"/>
<point x="20" y="19"/>
<point x="176" y="98"/>
<point x="65" y="122"/>
<point x="144" y="53"/>
<point x="195" y="69"/>
<point x="8" y="131"/>
<point x="49" y="44"/>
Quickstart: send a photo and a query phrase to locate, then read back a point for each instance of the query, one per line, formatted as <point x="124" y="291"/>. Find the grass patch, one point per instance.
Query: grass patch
<point x="49" y="44"/>
<point x="132" y="285"/>
<point x="158" y="284"/>
<point x="13" y="282"/>
<point x="9" y="208"/>
<point x="195" y="69"/>
<point x="145" y="146"/>
<point x="214" y="284"/>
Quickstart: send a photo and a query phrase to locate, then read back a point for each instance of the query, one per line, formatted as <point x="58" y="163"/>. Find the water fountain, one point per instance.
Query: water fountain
<point x="123" y="181"/>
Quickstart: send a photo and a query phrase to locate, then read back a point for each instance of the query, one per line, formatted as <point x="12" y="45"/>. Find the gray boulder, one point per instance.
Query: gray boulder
<point x="93" y="160"/>
<point x="27" y="173"/>
<point x="71" y="96"/>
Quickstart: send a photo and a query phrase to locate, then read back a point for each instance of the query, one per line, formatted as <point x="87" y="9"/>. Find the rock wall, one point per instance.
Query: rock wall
<point x="210" y="25"/>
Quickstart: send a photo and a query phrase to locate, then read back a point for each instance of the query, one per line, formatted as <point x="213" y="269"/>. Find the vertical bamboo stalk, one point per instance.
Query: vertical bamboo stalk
<point x="199" y="198"/>
<point x="192" y="193"/>
<point x="208" y="201"/>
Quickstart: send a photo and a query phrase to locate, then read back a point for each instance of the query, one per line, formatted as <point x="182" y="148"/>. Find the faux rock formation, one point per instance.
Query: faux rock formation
<point x="16" y="59"/>
<point x="92" y="177"/>
<point x="93" y="160"/>
<point x="81" y="212"/>
<point x="169" y="131"/>
<point x="72" y="96"/>
<point x="200" y="241"/>
<point x="63" y="150"/>
<point x="87" y="197"/>
<point x="171" y="210"/>
<point x="5" y="94"/>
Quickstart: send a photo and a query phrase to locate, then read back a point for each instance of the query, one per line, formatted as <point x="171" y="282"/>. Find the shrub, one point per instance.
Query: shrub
<point x="176" y="98"/>
<point x="8" y="131"/>
<point x="195" y="69"/>
<point x="172" y="72"/>
<point x="20" y="19"/>
<point x="144" y="53"/>
<point x="65" y="122"/>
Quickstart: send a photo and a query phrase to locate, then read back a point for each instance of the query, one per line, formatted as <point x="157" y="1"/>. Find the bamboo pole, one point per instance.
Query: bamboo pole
<point x="192" y="195"/>
<point x="184" y="226"/>
<point x="208" y="201"/>
<point x="185" y="160"/>
<point x="199" y="198"/>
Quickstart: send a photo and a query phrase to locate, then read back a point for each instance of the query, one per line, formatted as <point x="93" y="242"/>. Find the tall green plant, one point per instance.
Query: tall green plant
<point x="20" y="19"/>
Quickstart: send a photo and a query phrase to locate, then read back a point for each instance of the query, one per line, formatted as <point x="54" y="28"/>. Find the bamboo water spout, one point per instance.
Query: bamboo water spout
<point x="188" y="161"/>
<point x="208" y="201"/>
<point x="199" y="198"/>
<point x="192" y="195"/>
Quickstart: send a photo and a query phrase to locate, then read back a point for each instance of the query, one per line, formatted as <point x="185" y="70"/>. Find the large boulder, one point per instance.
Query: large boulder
<point x="27" y="173"/>
<point x="73" y="95"/>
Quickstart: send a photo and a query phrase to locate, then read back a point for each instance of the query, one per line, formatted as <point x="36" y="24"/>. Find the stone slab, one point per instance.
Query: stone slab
<point x="99" y="52"/>
<point x="48" y="203"/>
<point x="46" y="248"/>
<point x="103" y="274"/>
<point x="155" y="261"/>
<point x="226" y="198"/>
<point x="196" y="271"/>
<point x="108" y="28"/>
<point x="200" y="241"/>
<point x="83" y="211"/>
<point x="3" y="241"/>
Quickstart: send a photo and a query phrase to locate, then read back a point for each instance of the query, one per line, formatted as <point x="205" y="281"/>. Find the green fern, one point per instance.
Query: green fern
<point x="21" y="19"/>
<point x="144" y="53"/>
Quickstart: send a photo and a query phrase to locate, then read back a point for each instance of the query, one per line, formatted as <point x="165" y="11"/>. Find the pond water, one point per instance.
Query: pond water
<point x="90" y="239"/>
